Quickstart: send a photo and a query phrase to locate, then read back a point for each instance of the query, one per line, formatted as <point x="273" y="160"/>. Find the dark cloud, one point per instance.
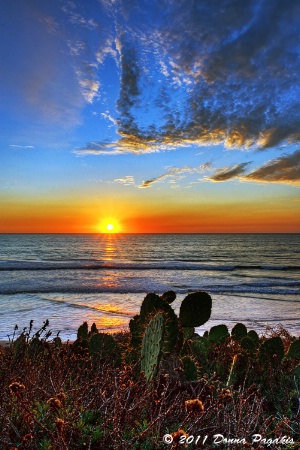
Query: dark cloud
<point x="227" y="173"/>
<point x="285" y="169"/>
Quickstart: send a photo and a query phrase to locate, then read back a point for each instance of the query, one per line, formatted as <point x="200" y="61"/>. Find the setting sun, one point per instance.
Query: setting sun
<point x="109" y="225"/>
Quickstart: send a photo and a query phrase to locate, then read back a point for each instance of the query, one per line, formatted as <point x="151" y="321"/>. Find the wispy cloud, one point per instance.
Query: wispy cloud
<point x="21" y="146"/>
<point x="109" y="117"/>
<point x="128" y="180"/>
<point x="174" y="174"/>
<point x="89" y="89"/>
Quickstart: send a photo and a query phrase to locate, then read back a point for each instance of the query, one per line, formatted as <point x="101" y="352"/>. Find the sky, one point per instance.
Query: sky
<point x="152" y="116"/>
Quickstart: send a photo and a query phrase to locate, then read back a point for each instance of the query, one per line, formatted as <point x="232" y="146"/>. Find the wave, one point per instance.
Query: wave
<point x="162" y="265"/>
<point x="181" y="289"/>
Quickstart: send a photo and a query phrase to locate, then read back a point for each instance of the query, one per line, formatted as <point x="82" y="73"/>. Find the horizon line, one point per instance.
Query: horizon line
<point x="144" y="233"/>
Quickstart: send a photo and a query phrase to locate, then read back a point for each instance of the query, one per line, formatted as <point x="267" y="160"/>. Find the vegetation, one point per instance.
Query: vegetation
<point x="128" y="390"/>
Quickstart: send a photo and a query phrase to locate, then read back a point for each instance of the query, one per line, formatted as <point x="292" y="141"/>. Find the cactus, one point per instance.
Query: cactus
<point x="57" y="341"/>
<point x="195" y="309"/>
<point x="239" y="331"/>
<point x="297" y="372"/>
<point x="249" y="345"/>
<point x="253" y="335"/>
<point x="218" y="334"/>
<point x="190" y="368"/>
<point x="188" y="332"/>
<point x="169" y="296"/>
<point x="201" y="346"/>
<point x="294" y="350"/>
<point x="104" y="345"/>
<point x="153" y="303"/>
<point x="238" y="369"/>
<point x="136" y="330"/>
<point x="83" y="331"/>
<point x="80" y="346"/>
<point x="152" y="346"/>
<point x="94" y="329"/>
<point x="36" y="346"/>
<point x="271" y="351"/>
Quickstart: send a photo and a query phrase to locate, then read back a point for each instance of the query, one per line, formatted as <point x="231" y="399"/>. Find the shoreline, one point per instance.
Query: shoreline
<point x="66" y="313"/>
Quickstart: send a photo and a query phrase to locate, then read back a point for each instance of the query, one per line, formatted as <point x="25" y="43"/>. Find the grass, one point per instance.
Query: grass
<point x="56" y="398"/>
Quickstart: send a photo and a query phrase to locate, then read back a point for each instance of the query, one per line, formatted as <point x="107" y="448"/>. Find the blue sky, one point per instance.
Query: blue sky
<point x="145" y="104"/>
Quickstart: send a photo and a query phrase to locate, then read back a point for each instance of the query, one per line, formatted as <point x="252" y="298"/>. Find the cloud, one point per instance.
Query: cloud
<point x="189" y="72"/>
<point x="21" y="146"/>
<point x="107" y="49"/>
<point x="228" y="173"/>
<point x="89" y="89"/>
<point x="174" y="173"/>
<point x="203" y="75"/>
<point x="285" y="169"/>
<point x="108" y="116"/>
<point x="128" y="180"/>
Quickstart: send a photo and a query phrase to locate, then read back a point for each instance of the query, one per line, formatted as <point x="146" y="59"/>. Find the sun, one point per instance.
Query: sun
<point x="109" y="225"/>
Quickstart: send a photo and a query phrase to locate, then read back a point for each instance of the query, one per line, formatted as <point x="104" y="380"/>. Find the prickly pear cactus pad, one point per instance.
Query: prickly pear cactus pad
<point x="188" y="332"/>
<point x="151" y="304"/>
<point x="249" y="345"/>
<point x="94" y="329"/>
<point x="136" y="330"/>
<point x="190" y="368"/>
<point x="83" y="331"/>
<point x="201" y="347"/>
<point x="253" y="335"/>
<point x="271" y="351"/>
<point x="294" y="350"/>
<point x="218" y="334"/>
<point x="105" y="346"/>
<point x="195" y="309"/>
<point x="152" y="346"/>
<point x="239" y="331"/>
<point x="169" y="296"/>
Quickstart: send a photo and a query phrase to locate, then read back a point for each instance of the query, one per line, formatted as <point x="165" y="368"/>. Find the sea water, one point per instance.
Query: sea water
<point x="103" y="278"/>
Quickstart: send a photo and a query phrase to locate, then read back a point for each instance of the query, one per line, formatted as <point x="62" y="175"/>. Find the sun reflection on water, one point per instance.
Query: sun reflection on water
<point x="110" y="247"/>
<point x="108" y="323"/>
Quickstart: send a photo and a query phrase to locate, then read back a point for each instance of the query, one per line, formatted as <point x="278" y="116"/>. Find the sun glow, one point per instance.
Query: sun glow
<point x="109" y="225"/>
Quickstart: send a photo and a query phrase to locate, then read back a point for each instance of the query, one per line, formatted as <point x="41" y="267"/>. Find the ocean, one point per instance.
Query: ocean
<point x="103" y="278"/>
